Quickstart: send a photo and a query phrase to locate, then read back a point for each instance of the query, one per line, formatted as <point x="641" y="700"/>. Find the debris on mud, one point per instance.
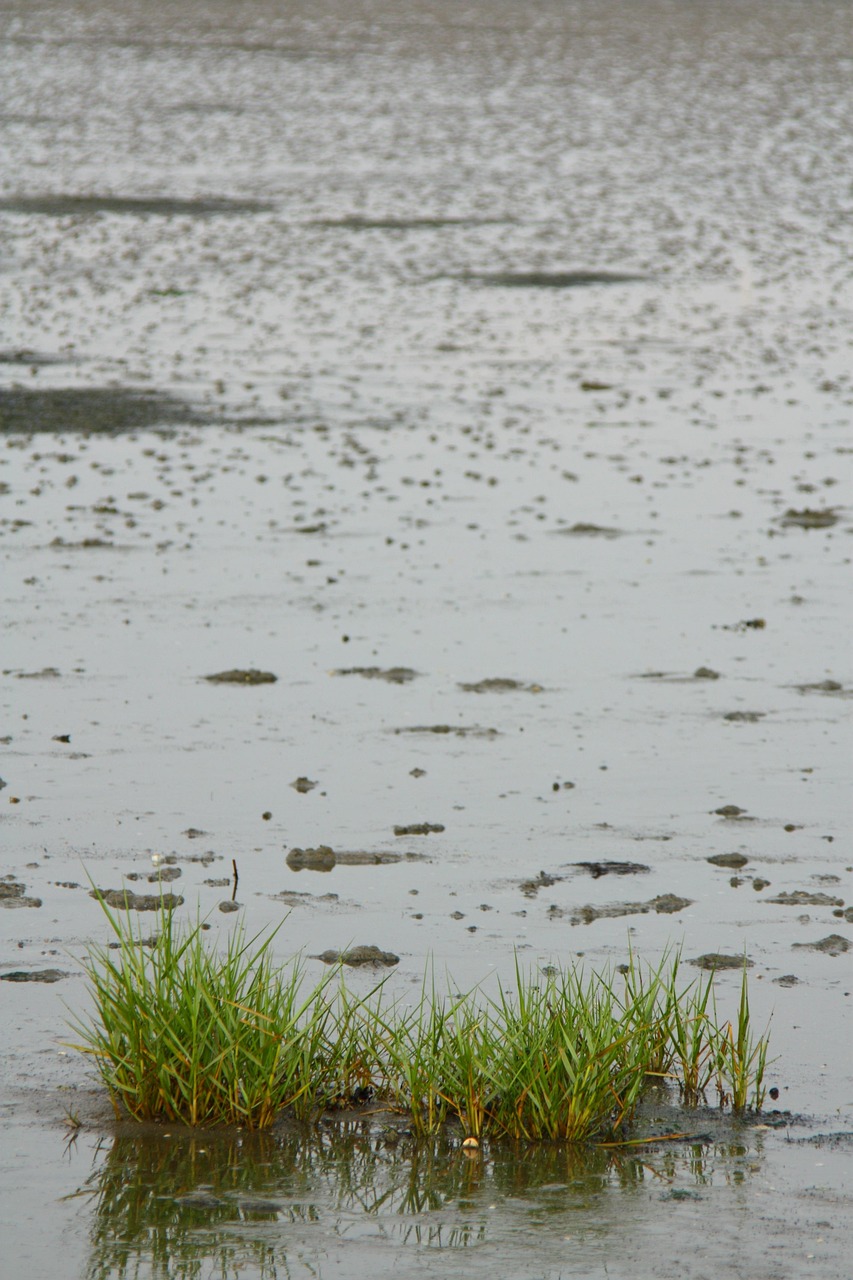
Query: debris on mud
<point x="164" y="874"/>
<point x="800" y="898"/>
<point x="808" y="519"/>
<point x="730" y="811"/>
<point x="734" y="861"/>
<point x="361" y="956"/>
<point x="607" y="868"/>
<point x="392" y="675"/>
<point x="303" y="785"/>
<point x="664" y="904"/>
<point x="719" y="960"/>
<point x="12" y="894"/>
<point x="127" y="900"/>
<point x="833" y="945"/>
<point x="787" y="980"/>
<point x="500" y="684"/>
<point x="418" y="829"/>
<point x="744" y="717"/>
<point x="242" y="676"/>
<point x="34" y="975"/>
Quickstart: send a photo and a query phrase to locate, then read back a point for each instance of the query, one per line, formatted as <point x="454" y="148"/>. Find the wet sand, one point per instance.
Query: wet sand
<point x="483" y="377"/>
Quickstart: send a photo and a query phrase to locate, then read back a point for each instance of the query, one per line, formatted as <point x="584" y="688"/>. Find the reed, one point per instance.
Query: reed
<point x="183" y="1032"/>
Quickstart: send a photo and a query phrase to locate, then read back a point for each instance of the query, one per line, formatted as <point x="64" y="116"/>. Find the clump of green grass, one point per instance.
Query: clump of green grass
<point x="183" y="1032"/>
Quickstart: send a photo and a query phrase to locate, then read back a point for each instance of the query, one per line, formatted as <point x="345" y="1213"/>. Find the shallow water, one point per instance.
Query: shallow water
<point x="494" y="344"/>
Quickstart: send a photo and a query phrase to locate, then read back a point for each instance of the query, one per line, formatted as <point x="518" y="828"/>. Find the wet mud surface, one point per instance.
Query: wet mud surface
<point x="451" y="369"/>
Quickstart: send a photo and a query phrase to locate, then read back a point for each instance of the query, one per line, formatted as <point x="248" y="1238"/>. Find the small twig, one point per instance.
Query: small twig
<point x="236" y="880"/>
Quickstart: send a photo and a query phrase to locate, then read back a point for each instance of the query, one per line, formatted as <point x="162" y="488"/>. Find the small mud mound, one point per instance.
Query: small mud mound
<point x="418" y="829"/>
<point x="718" y="960"/>
<point x="33" y="975"/>
<point x="807" y="519"/>
<point x="360" y="957"/>
<point x="126" y="900"/>
<point x="500" y="684"/>
<point x="392" y="675"/>
<point x="833" y="945"/>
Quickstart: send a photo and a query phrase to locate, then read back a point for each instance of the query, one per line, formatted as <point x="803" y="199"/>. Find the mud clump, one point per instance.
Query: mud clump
<point x="719" y="960"/>
<point x="547" y="279"/>
<point x="458" y="731"/>
<point x="730" y="811"/>
<point x="13" y="894"/>
<point x="34" y="975"/>
<point x="664" y="904"/>
<point x="303" y="785"/>
<point x="734" y="861"/>
<point x="606" y="868"/>
<point x="500" y="684"/>
<point x="744" y="717"/>
<point x="418" y="829"/>
<point x="360" y="957"/>
<point x="320" y="859"/>
<point x="239" y="675"/>
<point x="583" y="529"/>
<point x="543" y="881"/>
<point x="808" y="519"/>
<point x="801" y="898"/>
<point x="126" y="900"/>
<point x="833" y="945"/>
<point x="391" y="675"/>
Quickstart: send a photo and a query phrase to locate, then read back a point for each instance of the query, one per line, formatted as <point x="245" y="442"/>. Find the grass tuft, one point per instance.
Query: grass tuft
<point x="184" y="1033"/>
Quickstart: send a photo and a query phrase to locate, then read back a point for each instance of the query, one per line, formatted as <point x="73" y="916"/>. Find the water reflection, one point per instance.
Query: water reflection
<point x="173" y="1204"/>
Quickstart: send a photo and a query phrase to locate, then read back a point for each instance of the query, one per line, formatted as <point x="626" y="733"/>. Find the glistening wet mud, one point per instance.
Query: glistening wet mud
<point x="508" y="350"/>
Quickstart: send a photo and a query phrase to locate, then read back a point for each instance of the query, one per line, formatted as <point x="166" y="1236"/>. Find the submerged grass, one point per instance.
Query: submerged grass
<point x="185" y="1033"/>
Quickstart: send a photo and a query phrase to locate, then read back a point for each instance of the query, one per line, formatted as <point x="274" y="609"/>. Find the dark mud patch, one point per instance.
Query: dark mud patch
<point x="127" y="900"/>
<point x="500" y="684"/>
<point x="31" y="359"/>
<point x="238" y="675"/>
<point x="13" y="894"/>
<point x="355" y="222"/>
<point x="418" y="829"/>
<point x="663" y="904"/>
<point x="606" y="868"/>
<point x="801" y="898"/>
<point x="546" y="279"/>
<point x="33" y="975"/>
<point x="324" y="858"/>
<point x="371" y="957"/>
<point x="673" y="677"/>
<point x="583" y="529"/>
<point x="734" y="861"/>
<point x="293" y="898"/>
<point x="303" y="785"/>
<point x="733" y="813"/>
<point x="94" y="410"/>
<point x="458" y="730"/>
<point x="833" y="945"/>
<point x="787" y="980"/>
<point x="744" y="717"/>
<point x="391" y="675"/>
<point x="63" y="206"/>
<point x="808" y="519"/>
<point x="713" y="960"/>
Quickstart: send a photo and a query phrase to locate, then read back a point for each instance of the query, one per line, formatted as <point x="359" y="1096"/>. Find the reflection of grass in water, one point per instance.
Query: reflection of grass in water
<point x="185" y="1034"/>
<point x="195" y="1204"/>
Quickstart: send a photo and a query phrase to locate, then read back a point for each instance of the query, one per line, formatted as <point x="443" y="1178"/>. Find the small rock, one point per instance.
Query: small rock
<point x="705" y="673"/>
<point x="303" y="785"/>
<point x="228" y="906"/>
<point x="729" y="811"/>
